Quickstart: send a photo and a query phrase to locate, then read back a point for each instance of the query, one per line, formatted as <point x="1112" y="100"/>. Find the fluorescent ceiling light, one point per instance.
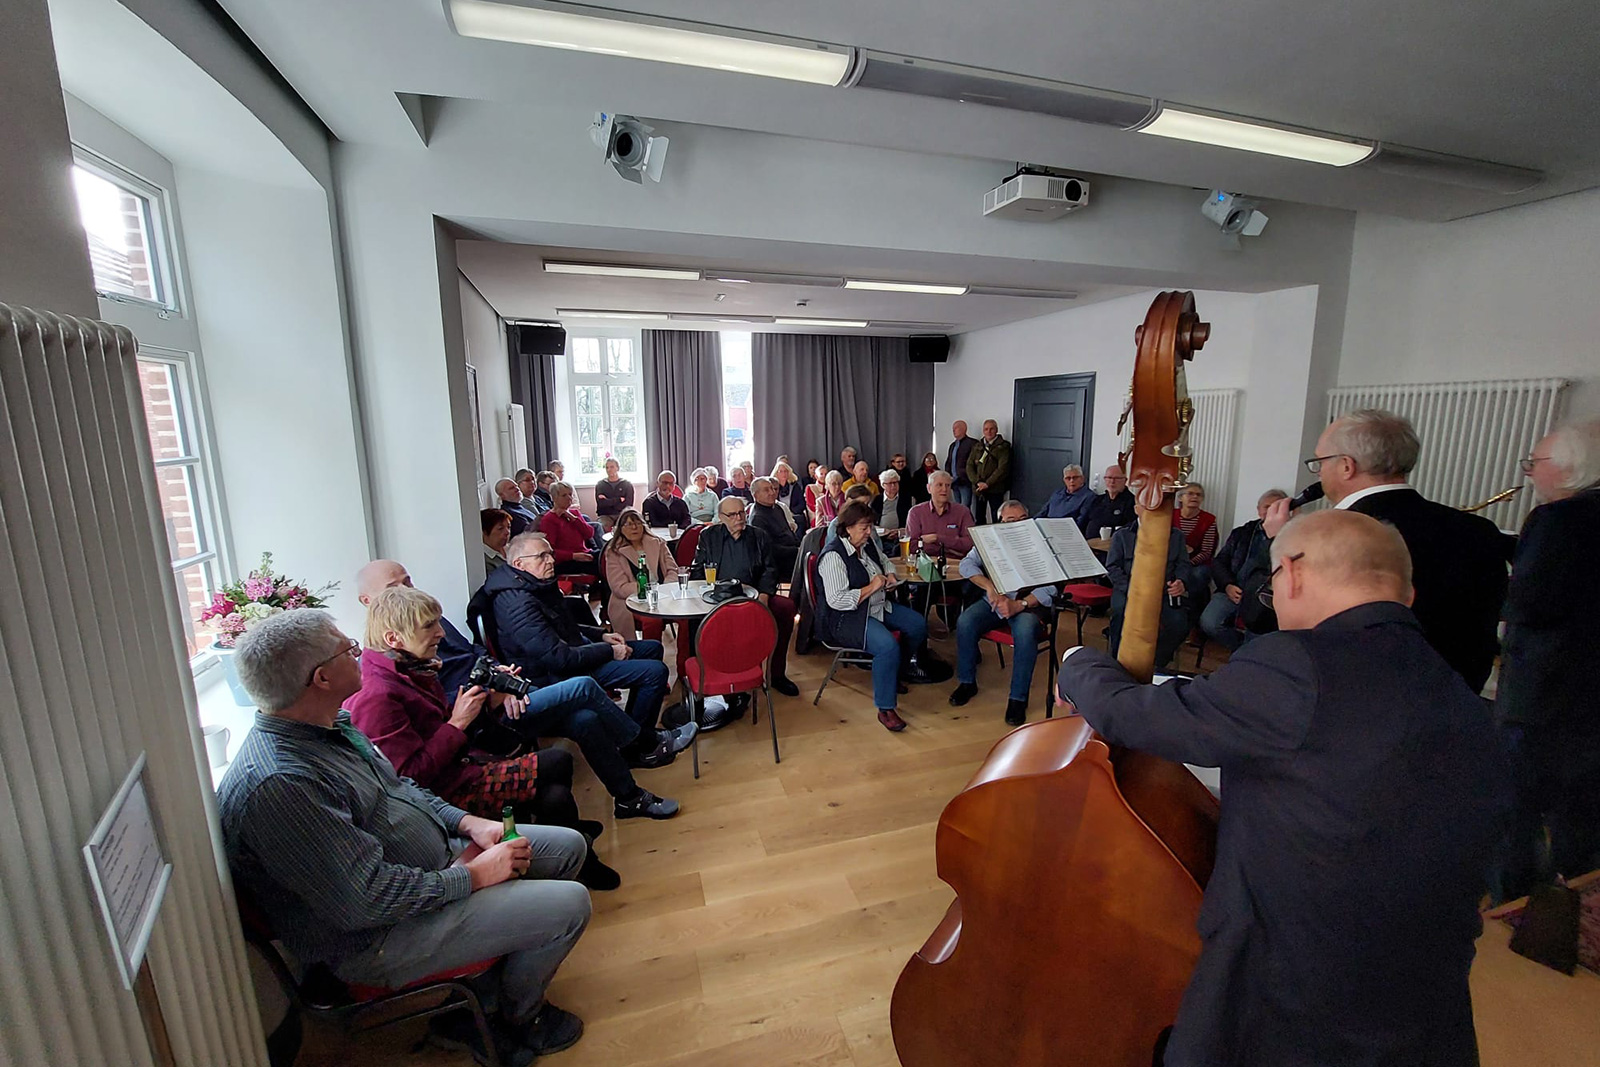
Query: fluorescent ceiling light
<point x="842" y="323"/>
<point x="904" y="287"/>
<point x="1254" y="137"/>
<point x="589" y="313"/>
<point x="608" y="270"/>
<point x="615" y="33"/>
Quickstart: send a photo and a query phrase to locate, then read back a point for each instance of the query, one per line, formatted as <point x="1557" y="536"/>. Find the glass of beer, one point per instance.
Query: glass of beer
<point x="711" y="573"/>
<point x="905" y="544"/>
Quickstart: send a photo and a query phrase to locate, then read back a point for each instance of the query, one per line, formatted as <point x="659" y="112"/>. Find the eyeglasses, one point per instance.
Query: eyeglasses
<point x="1528" y="464"/>
<point x="1265" y="596"/>
<point x="1314" y="464"/>
<point x="546" y="554"/>
<point x="352" y="649"/>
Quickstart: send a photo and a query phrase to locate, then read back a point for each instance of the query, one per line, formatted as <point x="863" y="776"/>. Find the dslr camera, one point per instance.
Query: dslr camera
<point x="487" y="674"/>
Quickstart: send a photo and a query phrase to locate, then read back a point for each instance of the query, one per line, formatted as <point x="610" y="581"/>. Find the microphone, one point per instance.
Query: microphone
<point x="1311" y="492"/>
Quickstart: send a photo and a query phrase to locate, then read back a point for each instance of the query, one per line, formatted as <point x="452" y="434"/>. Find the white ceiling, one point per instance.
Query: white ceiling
<point x="511" y="277"/>
<point x="1515" y="84"/>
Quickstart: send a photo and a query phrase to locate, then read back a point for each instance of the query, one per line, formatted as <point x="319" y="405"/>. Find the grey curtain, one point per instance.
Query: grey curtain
<point x="683" y="400"/>
<point x="533" y="385"/>
<point x="814" y="394"/>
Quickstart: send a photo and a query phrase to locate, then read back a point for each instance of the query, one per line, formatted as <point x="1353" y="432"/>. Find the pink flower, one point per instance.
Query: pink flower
<point x="294" y="602"/>
<point x="257" y="588"/>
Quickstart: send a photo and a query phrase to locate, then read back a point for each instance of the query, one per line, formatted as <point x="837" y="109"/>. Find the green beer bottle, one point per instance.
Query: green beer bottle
<point x="509" y="817"/>
<point x="644" y="578"/>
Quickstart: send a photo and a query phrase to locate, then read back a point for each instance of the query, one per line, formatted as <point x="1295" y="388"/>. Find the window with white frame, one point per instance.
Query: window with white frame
<point x="128" y="225"/>
<point x="607" y="383"/>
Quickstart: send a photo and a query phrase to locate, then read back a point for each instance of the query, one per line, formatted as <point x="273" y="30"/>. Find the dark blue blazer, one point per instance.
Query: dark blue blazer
<point x="1363" y="790"/>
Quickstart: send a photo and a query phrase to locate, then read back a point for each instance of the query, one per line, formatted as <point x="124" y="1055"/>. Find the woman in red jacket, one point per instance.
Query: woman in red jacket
<point x="425" y="732"/>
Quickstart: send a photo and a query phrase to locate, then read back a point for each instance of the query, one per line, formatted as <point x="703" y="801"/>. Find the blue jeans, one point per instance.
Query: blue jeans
<point x="644" y="676"/>
<point x="578" y="708"/>
<point x="962" y="494"/>
<point x="979" y="619"/>
<point x="1217" y="622"/>
<point x="888" y="654"/>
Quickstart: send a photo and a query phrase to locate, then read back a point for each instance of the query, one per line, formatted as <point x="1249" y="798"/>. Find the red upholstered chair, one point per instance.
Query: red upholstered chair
<point x="687" y="544"/>
<point x="1003" y="639"/>
<point x="842" y="657"/>
<point x="356" y="1009"/>
<point x="1084" y="597"/>
<point x="731" y="649"/>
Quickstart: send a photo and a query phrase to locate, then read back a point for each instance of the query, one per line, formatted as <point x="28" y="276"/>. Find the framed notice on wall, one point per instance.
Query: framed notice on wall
<point x="477" y="428"/>
<point x="129" y="871"/>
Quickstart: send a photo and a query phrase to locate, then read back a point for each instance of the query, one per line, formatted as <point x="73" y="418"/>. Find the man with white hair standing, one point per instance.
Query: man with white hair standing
<point x="1459" y="560"/>
<point x="1363" y="791"/>
<point x="354" y="866"/>
<point x="1546" y="701"/>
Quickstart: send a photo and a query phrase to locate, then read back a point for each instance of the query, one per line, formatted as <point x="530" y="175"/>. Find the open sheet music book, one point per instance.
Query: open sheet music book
<point x="1033" y="552"/>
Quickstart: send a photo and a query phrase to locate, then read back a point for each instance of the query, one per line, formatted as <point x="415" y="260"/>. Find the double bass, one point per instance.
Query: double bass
<point x="1078" y="868"/>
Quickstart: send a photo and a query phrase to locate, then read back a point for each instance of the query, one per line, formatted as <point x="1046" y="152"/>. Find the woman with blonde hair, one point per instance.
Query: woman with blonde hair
<point x="791" y="494"/>
<point x="620" y="566"/>
<point x="429" y="734"/>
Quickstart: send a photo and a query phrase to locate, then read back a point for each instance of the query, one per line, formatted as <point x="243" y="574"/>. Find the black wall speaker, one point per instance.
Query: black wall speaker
<point x="536" y="340"/>
<point x="929" y="348"/>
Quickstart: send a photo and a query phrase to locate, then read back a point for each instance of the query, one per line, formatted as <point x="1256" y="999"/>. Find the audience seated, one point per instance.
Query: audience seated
<point x="792" y="495"/>
<point x="749" y="469"/>
<point x="1199" y="532"/>
<point x="745" y="554"/>
<point x="512" y="503"/>
<point x="740" y="487"/>
<point x="496" y="533"/>
<point x="357" y="869"/>
<point x="541" y="501"/>
<point x="632" y="541"/>
<point x="718" y="484"/>
<point x="1072" y="500"/>
<point x="831" y="499"/>
<point x="1016" y="610"/>
<point x="941" y="521"/>
<point x="569" y="533"/>
<point x="576" y="708"/>
<point x="533" y="630"/>
<point x="891" y="508"/>
<point x="429" y="734"/>
<point x="771" y="518"/>
<point x="1241" y="570"/>
<point x="1113" y="508"/>
<point x="848" y="457"/>
<point x="1175" y="623"/>
<point x="861" y="474"/>
<point x="611" y="494"/>
<point x="702" y="499"/>
<point x="666" y="505"/>
<point x="854" y="612"/>
<point x="917" y="484"/>
<point x="558" y="471"/>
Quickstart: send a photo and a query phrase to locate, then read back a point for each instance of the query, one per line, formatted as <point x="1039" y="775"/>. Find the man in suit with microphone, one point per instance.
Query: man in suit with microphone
<point x="1458" y="560"/>
<point x="1364" y="788"/>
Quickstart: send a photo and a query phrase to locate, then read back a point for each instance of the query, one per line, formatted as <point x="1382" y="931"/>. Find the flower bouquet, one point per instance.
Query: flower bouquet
<point x="260" y="594"/>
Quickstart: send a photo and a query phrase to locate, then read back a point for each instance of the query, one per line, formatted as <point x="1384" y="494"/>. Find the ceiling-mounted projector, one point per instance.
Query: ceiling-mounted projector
<point x="1036" y="195"/>
<point x="1234" y="215"/>
<point x="629" y="146"/>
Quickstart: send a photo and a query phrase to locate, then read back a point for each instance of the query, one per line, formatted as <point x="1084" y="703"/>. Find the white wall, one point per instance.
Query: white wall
<point x="485" y="334"/>
<point x="282" y="411"/>
<point x="1505" y="295"/>
<point x="46" y="259"/>
<point x="1261" y="344"/>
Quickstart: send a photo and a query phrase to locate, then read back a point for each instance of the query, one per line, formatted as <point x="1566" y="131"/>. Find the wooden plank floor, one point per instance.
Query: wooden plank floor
<point x="766" y="925"/>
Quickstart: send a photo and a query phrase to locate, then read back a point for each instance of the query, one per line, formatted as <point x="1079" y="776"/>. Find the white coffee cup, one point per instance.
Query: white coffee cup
<point x="216" y="744"/>
<point x="1106" y="532"/>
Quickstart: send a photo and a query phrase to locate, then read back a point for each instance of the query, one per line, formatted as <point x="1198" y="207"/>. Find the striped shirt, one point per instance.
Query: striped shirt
<point x="331" y="843"/>
<point x="1208" y="540"/>
<point x="836" y="582"/>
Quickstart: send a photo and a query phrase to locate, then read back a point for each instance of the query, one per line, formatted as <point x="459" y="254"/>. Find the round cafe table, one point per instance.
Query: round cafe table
<point x="930" y="590"/>
<point x="670" y="607"/>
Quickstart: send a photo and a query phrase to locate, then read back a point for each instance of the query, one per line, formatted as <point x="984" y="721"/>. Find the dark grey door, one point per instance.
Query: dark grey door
<point x="1051" y="421"/>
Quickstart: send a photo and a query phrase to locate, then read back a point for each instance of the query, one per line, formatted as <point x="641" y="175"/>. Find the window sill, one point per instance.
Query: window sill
<point x="216" y="707"/>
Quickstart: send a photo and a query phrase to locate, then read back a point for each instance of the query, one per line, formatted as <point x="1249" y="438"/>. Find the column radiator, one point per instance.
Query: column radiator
<point x="93" y="671"/>
<point x="1473" y="434"/>
<point x="1212" y="439"/>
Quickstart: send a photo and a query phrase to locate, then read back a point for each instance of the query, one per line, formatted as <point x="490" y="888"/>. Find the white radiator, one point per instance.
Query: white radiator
<point x="1211" y="436"/>
<point x="1473" y="434"/>
<point x="93" y="671"/>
